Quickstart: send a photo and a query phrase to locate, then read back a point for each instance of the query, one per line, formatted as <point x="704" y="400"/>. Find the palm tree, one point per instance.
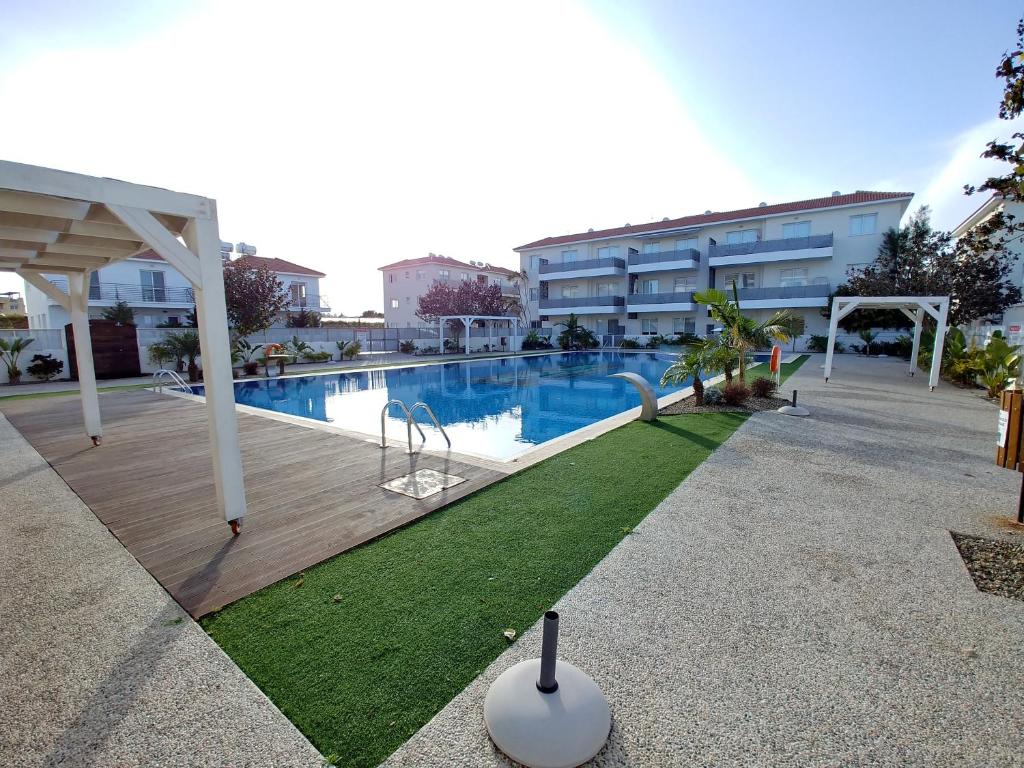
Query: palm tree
<point x="10" y="350"/>
<point x="867" y="336"/>
<point x="740" y="333"/>
<point x="185" y="346"/>
<point x="575" y="336"/>
<point x="706" y="356"/>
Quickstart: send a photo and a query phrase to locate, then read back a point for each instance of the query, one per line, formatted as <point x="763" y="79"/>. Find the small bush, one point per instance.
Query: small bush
<point x="735" y="393"/>
<point x="712" y="396"/>
<point x="44" y="367"/>
<point x="819" y="343"/>
<point x="407" y="347"/>
<point x="317" y="357"/>
<point x="353" y="349"/>
<point x="629" y="344"/>
<point x="763" y="387"/>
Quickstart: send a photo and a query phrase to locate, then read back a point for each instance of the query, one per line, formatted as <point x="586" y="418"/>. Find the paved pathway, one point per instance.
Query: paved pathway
<point x="98" y="665"/>
<point x="798" y="600"/>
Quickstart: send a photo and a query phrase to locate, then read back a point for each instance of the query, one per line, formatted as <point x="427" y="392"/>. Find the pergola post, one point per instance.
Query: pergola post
<point x="940" y="341"/>
<point x="78" y="305"/>
<point x="916" y="347"/>
<point x="203" y="240"/>
<point x="468" y="322"/>
<point x="440" y="335"/>
<point x="833" y="326"/>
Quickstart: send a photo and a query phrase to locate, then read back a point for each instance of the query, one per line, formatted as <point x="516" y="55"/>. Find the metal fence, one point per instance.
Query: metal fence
<point x="43" y="338"/>
<point x="683" y="254"/>
<point x="771" y="246"/>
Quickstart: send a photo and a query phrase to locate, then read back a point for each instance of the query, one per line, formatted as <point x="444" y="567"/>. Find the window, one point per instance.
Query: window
<point x="652" y="247"/>
<point x="796" y="229"/>
<point x="463" y="275"/>
<point x="420" y="274"/>
<point x="482" y="279"/>
<point x="152" y="285"/>
<point x="605" y="289"/>
<point x="738" y="236"/>
<point x="407" y="274"/>
<point x="535" y="262"/>
<point x="789" y="278"/>
<point x="684" y="325"/>
<point x="533" y="294"/>
<point x="648" y="286"/>
<point x="863" y="224"/>
<point x="173" y="320"/>
<point x="444" y="274"/>
<point x="570" y="291"/>
<point x="686" y="242"/>
<point x="394" y="303"/>
<point x="684" y="284"/>
<point x="742" y="279"/>
<point x="649" y="326"/>
<point x="391" y="277"/>
<point x="568" y="257"/>
<point x="298" y="294"/>
<point x="608" y="252"/>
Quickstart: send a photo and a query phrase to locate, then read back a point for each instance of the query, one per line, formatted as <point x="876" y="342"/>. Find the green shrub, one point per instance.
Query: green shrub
<point x="353" y="349"/>
<point x="819" y="343"/>
<point x="629" y="344"/>
<point x="317" y="357"/>
<point x="45" y="367"/>
<point x="735" y="393"/>
<point x="763" y="386"/>
<point x="407" y="347"/>
<point x="533" y="340"/>
<point x="713" y="396"/>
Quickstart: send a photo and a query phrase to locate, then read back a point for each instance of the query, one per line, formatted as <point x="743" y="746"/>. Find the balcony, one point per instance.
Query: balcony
<point x="678" y="301"/>
<point x="687" y="258"/>
<point x="101" y="294"/>
<point x="778" y="298"/>
<point x="309" y="304"/>
<point x="589" y="268"/>
<point x="587" y="305"/>
<point x="765" y="251"/>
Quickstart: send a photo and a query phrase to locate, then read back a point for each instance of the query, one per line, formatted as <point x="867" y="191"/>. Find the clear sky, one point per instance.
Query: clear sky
<point x="344" y="136"/>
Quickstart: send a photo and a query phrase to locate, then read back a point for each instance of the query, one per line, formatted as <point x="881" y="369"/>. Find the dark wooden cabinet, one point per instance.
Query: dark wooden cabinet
<point x="115" y="350"/>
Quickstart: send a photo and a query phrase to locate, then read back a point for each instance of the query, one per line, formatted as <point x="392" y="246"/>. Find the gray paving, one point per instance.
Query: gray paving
<point x="98" y="665"/>
<point x="798" y="600"/>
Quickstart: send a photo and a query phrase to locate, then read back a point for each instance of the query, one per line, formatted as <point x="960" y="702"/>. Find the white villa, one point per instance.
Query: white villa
<point x="158" y="293"/>
<point x="405" y="281"/>
<point x="639" y="280"/>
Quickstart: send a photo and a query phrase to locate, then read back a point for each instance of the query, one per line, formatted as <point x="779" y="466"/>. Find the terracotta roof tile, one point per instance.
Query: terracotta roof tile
<point x="713" y="218"/>
<point x="273" y="264"/>
<point x="447" y="261"/>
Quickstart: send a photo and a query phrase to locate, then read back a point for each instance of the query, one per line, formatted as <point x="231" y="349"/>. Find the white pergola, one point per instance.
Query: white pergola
<point x="913" y="307"/>
<point x="468" y="320"/>
<point x="54" y="222"/>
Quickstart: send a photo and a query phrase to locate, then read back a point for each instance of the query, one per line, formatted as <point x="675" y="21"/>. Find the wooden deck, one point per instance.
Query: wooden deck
<point x="311" y="493"/>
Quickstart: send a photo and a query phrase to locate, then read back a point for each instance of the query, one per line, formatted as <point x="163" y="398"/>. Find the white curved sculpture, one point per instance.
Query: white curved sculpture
<point x="649" y="409"/>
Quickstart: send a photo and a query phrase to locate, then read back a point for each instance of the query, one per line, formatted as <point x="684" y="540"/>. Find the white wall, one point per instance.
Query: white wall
<point x="45" y="342"/>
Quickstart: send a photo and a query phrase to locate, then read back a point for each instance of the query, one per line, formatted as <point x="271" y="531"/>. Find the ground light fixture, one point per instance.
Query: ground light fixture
<point x="793" y="409"/>
<point x="547" y="714"/>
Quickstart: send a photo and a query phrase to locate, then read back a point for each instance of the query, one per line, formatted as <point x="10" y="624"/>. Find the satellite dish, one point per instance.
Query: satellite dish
<point x="226" y="247"/>
<point x="245" y="249"/>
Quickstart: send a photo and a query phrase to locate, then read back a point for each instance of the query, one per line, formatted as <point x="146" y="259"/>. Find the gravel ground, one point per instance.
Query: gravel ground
<point x="752" y="405"/>
<point x="98" y="665"/>
<point x="996" y="566"/>
<point x="798" y="600"/>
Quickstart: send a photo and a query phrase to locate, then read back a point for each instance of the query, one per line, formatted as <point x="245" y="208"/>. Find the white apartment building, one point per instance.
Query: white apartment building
<point x="405" y="281"/>
<point x="639" y="281"/>
<point x="158" y="293"/>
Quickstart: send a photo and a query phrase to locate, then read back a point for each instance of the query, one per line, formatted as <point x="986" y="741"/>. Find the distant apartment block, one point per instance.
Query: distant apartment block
<point x="1014" y="315"/>
<point x="158" y="293"/>
<point x="639" y="280"/>
<point x="11" y="302"/>
<point x="405" y="281"/>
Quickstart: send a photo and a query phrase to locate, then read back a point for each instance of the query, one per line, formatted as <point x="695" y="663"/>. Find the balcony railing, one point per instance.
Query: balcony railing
<point x="585" y="301"/>
<point x="133" y="294"/>
<point x="790" y="292"/>
<point x="314" y="303"/>
<point x="572" y="266"/>
<point x="685" y="254"/>
<point x="678" y="297"/>
<point x="771" y="246"/>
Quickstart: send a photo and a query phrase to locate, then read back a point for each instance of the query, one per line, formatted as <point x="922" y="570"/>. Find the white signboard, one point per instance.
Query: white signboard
<point x="1004" y="422"/>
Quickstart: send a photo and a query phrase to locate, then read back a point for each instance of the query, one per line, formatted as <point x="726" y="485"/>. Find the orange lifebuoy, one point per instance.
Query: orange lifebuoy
<point x="271" y="349"/>
<point x="776" y="359"/>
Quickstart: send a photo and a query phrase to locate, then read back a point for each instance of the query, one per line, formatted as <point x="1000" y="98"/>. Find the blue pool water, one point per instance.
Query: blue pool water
<point x="496" y="408"/>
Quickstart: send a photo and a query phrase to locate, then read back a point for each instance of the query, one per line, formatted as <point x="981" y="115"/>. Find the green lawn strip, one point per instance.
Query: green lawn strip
<point x="422" y="610"/>
<point x="70" y="392"/>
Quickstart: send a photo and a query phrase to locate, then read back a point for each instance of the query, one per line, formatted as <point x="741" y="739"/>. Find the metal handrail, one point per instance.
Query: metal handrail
<point x="409" y="422"/>
<point x="433" y="418"/>
<point x="175" y="378"/>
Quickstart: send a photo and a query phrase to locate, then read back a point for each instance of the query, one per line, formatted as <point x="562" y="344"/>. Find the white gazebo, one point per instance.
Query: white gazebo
<point x="468" y="321"/>
<point x="913" y="307"/>
<point x="54" y="222"/>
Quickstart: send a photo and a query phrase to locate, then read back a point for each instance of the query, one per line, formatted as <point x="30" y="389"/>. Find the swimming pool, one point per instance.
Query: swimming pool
<point x="496" y="408"/>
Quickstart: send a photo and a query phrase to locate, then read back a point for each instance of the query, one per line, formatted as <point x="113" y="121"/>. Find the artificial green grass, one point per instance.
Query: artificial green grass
<point x="71" y="392"/>
<point x="363" y="649"/>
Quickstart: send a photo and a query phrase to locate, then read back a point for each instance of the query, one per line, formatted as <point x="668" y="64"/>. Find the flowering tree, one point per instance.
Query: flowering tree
<point x="254" y="296"/>
<point x="470" y="297"/>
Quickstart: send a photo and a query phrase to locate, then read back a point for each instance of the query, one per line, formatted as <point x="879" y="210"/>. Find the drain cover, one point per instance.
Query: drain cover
<point x="422" y="483"/>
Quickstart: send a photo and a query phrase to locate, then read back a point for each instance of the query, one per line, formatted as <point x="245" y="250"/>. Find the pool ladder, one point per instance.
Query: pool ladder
<point x="410" y="422"/>
<point x="174" y="376"/>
